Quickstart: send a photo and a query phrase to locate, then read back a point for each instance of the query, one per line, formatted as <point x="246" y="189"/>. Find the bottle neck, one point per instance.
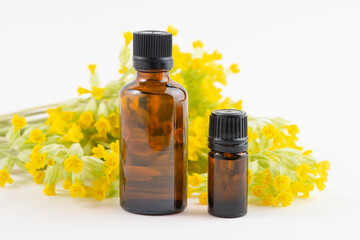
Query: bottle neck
<point x="161" y="75"/>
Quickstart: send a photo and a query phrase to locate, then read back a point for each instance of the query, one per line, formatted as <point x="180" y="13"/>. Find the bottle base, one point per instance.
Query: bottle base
<point x="222" y="215"/>
<point x="148" y="209"/>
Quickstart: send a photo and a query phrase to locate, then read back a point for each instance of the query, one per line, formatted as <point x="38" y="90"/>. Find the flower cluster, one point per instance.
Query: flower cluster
<point x="76" y="144"/>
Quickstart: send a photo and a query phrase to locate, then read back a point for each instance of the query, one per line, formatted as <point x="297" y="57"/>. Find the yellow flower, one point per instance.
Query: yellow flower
<point x="320" y="183"/>
<point x="268" y="200"/>
<point x="303" y="170"/>
<point x="203" y="198"/>
<point x="49" y="190"/>
<point x="172" y="30"/>
<point x="82" y="91"/>
<point x="114" y="120"/>
<point x="266" y="177"/>
<point x="30" y="167"/>
<point x="73" y="164"/>
<point x="77" y="190"/>
<point x="111" y="160"/>
<point x="115" y="147"/>
<point x="195" y="180"/>
<point x="270" y="131"/>
<point x="36" y="136"/>
<point x="103" y="125"/>
<point x="198" y="44"/>
<point x="67" y="183"/>
<point x="39" y="177"/>
<point x="297" y="187"/>
<point x="128" y="36"/>
<point x="97" y="92"/>
<point x="257" y="191"/>
<point x="18" y="122"/>
<point x="307" y="190"/>
<point x="98" y="151"/>
<point x="68" y="115"/>
<point x="5" y="178"/>
<point x="112" y="175"/>
<point x="85" y="120"/>
<point x="322" y="168"/>
<point x="74" y="134"/>
<point x="50" y="162"/>
<point x="190" y="191"/>
<point x="252" y="135"/>
<point x="92" y="68"/>
<point x="37" y="160"/>
<point x="99" y="189"/>
<point x="238" y="105"/>
<point x="282" y="183"/>
<point x="307" y="153"/>
<point x="234" y="68"/>
<point x="123" y="69"/>
<point x="292" y="129"/>
<point x="249" y="176"/>
<point x="284" y="198"/>
<point x="36" y="148"/>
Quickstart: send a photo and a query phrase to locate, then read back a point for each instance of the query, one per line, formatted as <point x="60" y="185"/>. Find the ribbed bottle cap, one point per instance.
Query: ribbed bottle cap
<point x="152" y="50"/>
<point x="228" y="131"/>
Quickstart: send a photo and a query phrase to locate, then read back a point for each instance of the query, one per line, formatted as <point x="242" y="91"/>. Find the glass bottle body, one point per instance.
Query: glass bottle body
<point x="153" y="143"/>
<point x="228" y="184"/>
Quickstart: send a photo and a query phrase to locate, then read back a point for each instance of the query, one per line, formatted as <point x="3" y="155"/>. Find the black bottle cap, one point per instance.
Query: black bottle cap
<point x="152" y="50"/>
<point x="228" y="131"/>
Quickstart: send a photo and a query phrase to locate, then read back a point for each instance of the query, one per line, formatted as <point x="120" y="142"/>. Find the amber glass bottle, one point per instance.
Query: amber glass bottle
<point x="153" y="138"/>
<point x="228" y="163"/>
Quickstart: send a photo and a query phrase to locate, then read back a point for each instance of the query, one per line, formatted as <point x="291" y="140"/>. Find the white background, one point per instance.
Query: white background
<point x="299" y="60"/>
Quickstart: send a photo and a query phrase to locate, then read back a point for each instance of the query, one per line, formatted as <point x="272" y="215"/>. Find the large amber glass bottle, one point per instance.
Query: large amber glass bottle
<point x="153" y="138"/>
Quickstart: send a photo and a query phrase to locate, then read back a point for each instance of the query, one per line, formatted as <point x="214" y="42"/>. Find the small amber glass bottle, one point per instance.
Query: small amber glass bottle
<point x="153" y="136"/>
<point x="228" y="163"/>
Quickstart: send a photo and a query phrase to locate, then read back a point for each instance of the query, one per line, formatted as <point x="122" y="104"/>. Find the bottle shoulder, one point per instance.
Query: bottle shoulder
<point x="227" y="156"/>
<point x="170" y="88"/>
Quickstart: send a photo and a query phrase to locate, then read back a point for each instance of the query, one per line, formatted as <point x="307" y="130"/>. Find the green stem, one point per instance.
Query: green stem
<point x="27" y="112"/>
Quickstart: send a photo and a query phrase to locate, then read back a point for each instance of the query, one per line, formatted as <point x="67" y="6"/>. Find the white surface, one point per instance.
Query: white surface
<point x="299" y="60"/>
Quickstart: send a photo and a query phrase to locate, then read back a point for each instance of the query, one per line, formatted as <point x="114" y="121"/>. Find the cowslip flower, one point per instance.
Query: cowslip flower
<point x="173" y="30"/>
<point x="103" y="125"/>
<point x="98" y="151"/>
<point x="282" y="183"/>
<point x="111" y="160"/>
<point x="85" y="120"/>
<point x="18" y="122"/>
<point x="322" y="168"/>
<point x="195" y="180"/>
<point x="36" y="136"/>
<point x="203" y="198"/>
<point x="234" y="68"/>
<point x="285" y="198"/>
<point x="73" y="164"/>
<point x="99" y="189"/>
<point x="5" y="178"/>
<point x="67" y="183"/>
<point x="198" y="44"/>
<point x="97" y="92"/>
<point x="303" y="170"/>
<point x="268" y="200"/>
<point x="74" y="134"/>
<point x="77" y="190"/>
<point x="257" y="190"/>
<point x="37" y="160"/>
<point x="115" y="146"/>
<point x="92" y="68"/>
<point x="266" y="177"/>
<point x="39" y="177"/>
<point x="128" y="36"/>
<point x="270" y="131"/>
<point x="49" y="190"/>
